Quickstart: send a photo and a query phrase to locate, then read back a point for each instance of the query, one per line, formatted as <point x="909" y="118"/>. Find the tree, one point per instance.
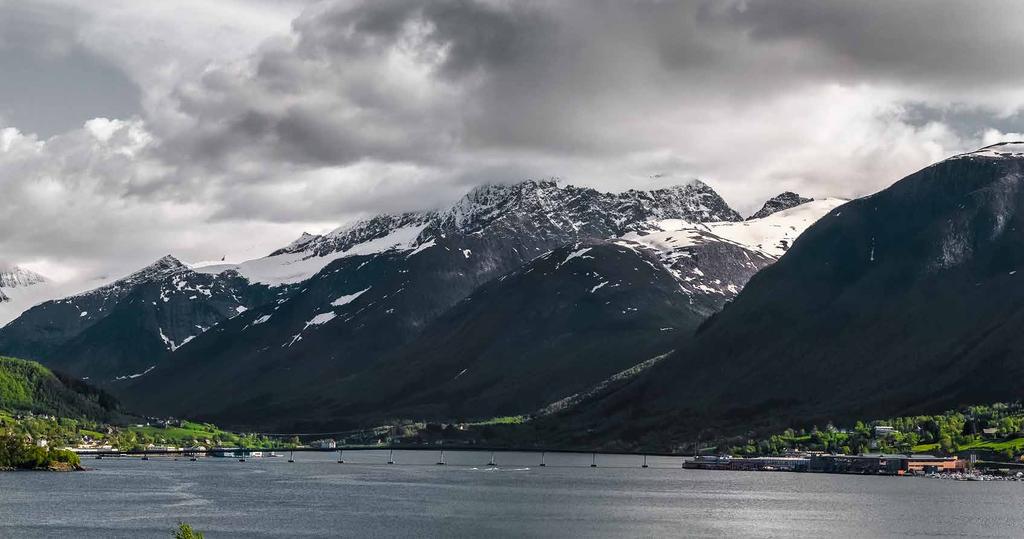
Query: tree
<point x="185" y="531"/>
<point x="1007" y="426"/>
<point x="946" y="443"/>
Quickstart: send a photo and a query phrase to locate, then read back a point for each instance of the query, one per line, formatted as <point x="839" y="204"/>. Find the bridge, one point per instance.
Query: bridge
<point x="241" y="453"/>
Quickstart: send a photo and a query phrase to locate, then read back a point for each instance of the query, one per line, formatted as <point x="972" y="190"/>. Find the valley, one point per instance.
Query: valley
<point x="621" y="319"/>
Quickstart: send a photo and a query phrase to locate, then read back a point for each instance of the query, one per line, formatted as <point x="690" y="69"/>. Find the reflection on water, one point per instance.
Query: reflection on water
<point x="317" y="497"/>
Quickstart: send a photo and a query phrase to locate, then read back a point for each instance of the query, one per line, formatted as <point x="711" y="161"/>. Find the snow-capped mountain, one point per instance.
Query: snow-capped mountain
<point x="126" y="327"/>
<point x="780" y="202"/>
<point x="369" y="302"/>
<point x="571" y="317"/>
<point x="19" y="289"/>
<point x="582" y="211"/>
<point x="318" y="318"/>
<point x="16" y="277"/>
<point x="540" y="212"/>
<point x="905" y="302"/>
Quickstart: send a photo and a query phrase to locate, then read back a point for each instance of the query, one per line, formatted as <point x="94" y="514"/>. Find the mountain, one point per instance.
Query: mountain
<point x="26" y="386"/>
<point x="19" y="288"/>
<point x="16" y="277"/>
<point x="120" y="330"/>
<point x="364" y="322"/>
<point x="780" y="202"/>
<point x="573" y="317"/>
<point x="372" y="332"/>
<point x="906" y="301"/>
<point x="556" y="326"/>
<point x="391" y="278"/>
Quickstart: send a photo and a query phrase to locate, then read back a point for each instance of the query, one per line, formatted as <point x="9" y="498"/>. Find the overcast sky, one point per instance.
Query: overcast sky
<point x="130" y="129"/>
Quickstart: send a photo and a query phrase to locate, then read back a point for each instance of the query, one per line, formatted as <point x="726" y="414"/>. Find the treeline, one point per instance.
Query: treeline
<point x="995" y="428"/>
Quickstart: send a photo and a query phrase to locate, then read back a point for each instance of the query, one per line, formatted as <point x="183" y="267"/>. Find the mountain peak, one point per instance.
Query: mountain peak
<point x="16" y="276"/>
<point x="167" y="262"/>
<point x="780" y="202"/>
<point x="547" y="201"/>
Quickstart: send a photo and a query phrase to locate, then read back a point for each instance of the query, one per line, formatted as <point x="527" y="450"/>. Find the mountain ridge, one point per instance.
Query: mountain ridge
<point x="905" y="301"/>
<point x="319" y="320"/>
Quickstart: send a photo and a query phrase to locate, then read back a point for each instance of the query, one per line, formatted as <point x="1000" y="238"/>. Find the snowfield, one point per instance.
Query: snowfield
<point x="771" y="235"/>
<point x="290" y="268"/>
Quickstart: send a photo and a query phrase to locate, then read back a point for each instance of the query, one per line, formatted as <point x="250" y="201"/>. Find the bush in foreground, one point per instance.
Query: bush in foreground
<point x="185" y="531"/>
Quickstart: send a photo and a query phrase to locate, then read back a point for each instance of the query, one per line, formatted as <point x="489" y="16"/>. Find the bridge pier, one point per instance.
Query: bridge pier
<point x="442" y="462"/>
<point x="542" y="454"/>
<point x="291" y="456"/>
<point x="341" y="456"/>
<point x="391" y="457"/>
<point x="593" y="460"/>
<point x="645" y="462"/>
<point x="492" y="462"/>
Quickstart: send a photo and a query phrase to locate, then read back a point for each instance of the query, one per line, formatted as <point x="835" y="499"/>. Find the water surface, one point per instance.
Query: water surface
<point x="317" y="497"/>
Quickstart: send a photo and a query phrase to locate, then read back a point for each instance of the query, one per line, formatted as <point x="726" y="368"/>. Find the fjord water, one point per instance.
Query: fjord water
<point x="317" y="497"/>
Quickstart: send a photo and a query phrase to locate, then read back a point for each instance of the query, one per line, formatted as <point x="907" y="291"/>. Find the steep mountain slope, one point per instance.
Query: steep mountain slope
<point x="554" y="327"/>
<point x="365" y="322"/>
<point x="123" y="329"/>
<point x="905" y="301"/>
<point x="26" y="386"/>
<point x="374" y="335"/>
<point x="364" y="304"/>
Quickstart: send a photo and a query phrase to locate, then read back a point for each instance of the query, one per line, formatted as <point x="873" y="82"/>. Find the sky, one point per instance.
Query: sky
<point x="132" y="129"/>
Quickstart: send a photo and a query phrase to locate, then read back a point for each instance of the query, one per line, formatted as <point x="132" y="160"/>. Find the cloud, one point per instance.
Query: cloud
<point x="278" y="116"/>
<point x="49" y="84"/>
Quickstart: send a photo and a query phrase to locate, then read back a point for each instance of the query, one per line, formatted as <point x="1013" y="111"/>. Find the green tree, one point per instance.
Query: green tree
<point x="185" y="531"/>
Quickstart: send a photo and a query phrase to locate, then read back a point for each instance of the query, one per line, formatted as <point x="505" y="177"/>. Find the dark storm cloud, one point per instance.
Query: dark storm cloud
<point x="48" y="83"/>
<point x="478" y="35"/>
<point x="966" y="121"/>
<point x="389" y="105"/>
<point x="915" y="41"/>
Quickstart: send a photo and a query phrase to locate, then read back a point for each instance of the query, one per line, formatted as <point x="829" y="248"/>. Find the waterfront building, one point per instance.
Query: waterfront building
<point x="327" y="443"/>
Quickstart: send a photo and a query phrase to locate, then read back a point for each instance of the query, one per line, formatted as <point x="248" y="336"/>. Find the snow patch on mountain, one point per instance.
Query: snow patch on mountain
<point x="717" y="258"/>
<point x="134" y="376"/>
<point x="774" y="234"/>
<point x="575" y="254"/>
<point x="771" y="235"/>
<point x="295" y="267"/>
<point x="321" y="319"/>
<point x="345" y="300"/>
<point x="317" y="320"/>
<point x="1002" y="150"/>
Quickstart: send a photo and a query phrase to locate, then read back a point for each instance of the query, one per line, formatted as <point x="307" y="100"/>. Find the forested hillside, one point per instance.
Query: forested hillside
<point x="26" y="386"/>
